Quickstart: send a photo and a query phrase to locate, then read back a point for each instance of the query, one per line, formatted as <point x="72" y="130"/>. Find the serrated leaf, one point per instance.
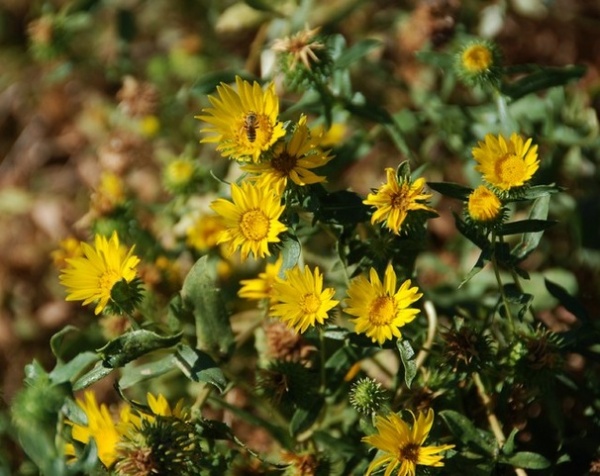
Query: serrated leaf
<point x="451" y="189"/>
<point x="530" y="241"/>
<point x="94" y="375"/>
<point x="198" y="366"/>
<point x="407" y="356"/>
<point x="68" y="372"/>
<point x="356" y="51"/>
<point x="134" y="344"/>
<point x="134" y="374"/>
<point x="465" y="432"/>
<point x="200" y="293"/>
<point x="526" y="460"/>
<point x="525" y="226"/>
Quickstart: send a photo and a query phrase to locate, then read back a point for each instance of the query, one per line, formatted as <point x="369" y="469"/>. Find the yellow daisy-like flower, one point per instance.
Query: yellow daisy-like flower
<point x="262" y="287"/>
<point x="379" y="308"/>
<point x="204" y="234"/>
<point x="484" y="205"/>
<point x="244" y="123"/>
<point x="301" y="300"/>
<point x="161" y="407"/>
<point x="179" y="173"/>
<point x="395" y="200"/>
<point x="251" y="219"/>
<point x="91" y="277"/>
<point x="506" y="164"/>
<point x="67" y="249"/>
<point x="109" y="194"/>
<point x="100" y="427"/>
<point x="477" y="58"/>
<point x="293" y="160"/>
<point x="402" y="446"/>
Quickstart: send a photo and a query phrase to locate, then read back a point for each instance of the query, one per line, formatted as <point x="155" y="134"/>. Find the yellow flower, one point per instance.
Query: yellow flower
<point x="109" y="194"/>
<point x="484" y="205"/>
<point x="395" y="200"/>
<point x="244" y="123"/>
<point x="379" y="308"/>
<point x="332" y="136"/>
<point x="262" y="287"/>
<point x="91" y="277"/>
<point x="204" y="234"/>
<point x="179" y="173"/>
<point x="402" y="446"/>
<point x="251" y="219"/>
<point x="292" y="160"/>
<point x="506" y="164"/>
<point x="477" y="58"/>
<point x="301" y="299"/>
<point x="100" y="427"/>
<point x="67" y="249"/>
<point x="161" y="407"/>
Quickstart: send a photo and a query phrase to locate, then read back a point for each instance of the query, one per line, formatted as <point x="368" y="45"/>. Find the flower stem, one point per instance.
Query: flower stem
<point x="491" y="416"/>
<point x="511" y="324"/>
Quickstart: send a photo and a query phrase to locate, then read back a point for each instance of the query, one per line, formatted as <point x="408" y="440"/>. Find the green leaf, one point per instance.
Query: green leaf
<point x="435" y="58"/>
<point x="303" y="418"/>
<point x="530" y="241"/>
<point x="542" y="78"/>
<point x="356" y="51"/>
<point x="126" y="25"/>
<point x="484" y="258"/>
<point x="526" y="460"/>
<point x="57" y="341"/>
<point x="465" y="432"/>
<point x="525" y="226"/>
<point x="397" y="136"/>
<point x="515" y="296"/>
<point x="342" y="207"/>
<point x="509" y="446"/>
<point x="471" y="233"/>
<point x="68" y="372"/>
<point x="538" y="191"/>
<point x="94" y="375"/>
<point x="134" y="374"/>
<point x="407" y="356"/>
<point x="290" y="253"/>
<point x="199" y="367"/>
<point x="134" y="344"/>
<point x="372" y="112"/>
<point x="451" y="189"/>
<point x="262" y="6"/>
<point x="200" y="293"/>
<point x="569" y="302"/>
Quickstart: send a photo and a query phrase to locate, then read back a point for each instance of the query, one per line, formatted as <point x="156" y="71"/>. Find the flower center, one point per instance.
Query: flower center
<point x="409" y="452"/>
<point x="310" y="303"/>
<point x="383" y="311"/>
<point x="477" y="58"/>
<point x="284" y="163"/>
<point x="107" y="280"/>
<point x="510" y="169"/>
<point x="254" y="225"/>
<point x="400" y="199"/>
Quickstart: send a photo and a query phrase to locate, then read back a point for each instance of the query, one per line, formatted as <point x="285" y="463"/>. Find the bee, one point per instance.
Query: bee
<point x="250" y="126"/>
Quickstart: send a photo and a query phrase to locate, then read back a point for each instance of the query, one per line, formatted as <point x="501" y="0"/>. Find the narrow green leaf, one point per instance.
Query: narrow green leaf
<point x="356" y="51"/>
<point x="134" y="344"/>
<point x="484" y="258"/>
<point x="538" y="191"/>
<point x="303" y="418"/>
<point x="68" y="372"/>
<point x="530" y="241"/>
<point x="200" y="293"/>
<point x="397" y="136"/>
<point x="541" y="79"/>
<point x="526" y="460"/>
<point x="509" y="446"/>
<point x="571" y="304"/>
<point x="451" y="189"/>
<point x="525" y="226"/>
<point x="199" y="367"/>
<point x="407" y="356"/>
<point x="134" y="374"/>
<point x="93" y="376"/>
<point x="370" y="111"/>
<point x="465" y="432"/>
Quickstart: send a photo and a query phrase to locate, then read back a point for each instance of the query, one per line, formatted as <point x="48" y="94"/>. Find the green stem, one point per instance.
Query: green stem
<point x="511" y="323"/>
<point x="323" y="360"/>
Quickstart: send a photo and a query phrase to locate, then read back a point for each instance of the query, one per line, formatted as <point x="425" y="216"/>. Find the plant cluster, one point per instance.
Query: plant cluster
<point x="304" y="327"/>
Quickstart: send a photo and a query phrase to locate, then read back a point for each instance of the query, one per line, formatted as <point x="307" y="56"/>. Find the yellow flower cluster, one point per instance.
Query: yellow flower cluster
<point x="506" y="165"/>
